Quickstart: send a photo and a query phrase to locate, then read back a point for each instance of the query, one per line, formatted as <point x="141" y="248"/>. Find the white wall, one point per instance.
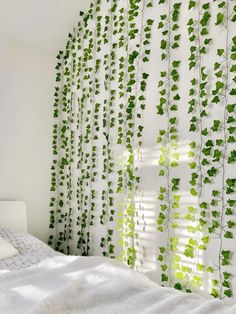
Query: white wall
<point x="26" y="98"/>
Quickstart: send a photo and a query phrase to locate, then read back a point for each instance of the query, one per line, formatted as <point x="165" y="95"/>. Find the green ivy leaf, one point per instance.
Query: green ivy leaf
<point x="233" y="92"/>
<point x="191" y="4"/>
<point x="233" y="68"/>
<point x="219" y="18"/>
<point x="215" y="293"/>
<point x="204" y="132"/>
<point x="215" y="126"/>
<point x="226" y="275"/>
<point x="230" y="224"/>
<point x="189" y="251"/>
<point x="178" y="286"/>
<point x="228" y="293"/>
<point x="206" y="6"/>
<point x="232" y="157"/>
<point x="220" y="52"/>
<point x="228" y="235"/>
<point x="193" y="192"/>
<point x="164" y="277"/>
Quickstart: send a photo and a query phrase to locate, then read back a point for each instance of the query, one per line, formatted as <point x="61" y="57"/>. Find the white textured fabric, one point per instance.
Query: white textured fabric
<point x="94" y="285"/>
<point x="31" y="250"/>
<point x="6" y="249"/>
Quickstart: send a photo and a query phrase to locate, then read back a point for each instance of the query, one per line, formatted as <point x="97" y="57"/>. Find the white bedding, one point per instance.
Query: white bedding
<point x="30" y="250"/>
<point x="6" y="249"/>
<point x="64" y="284"/>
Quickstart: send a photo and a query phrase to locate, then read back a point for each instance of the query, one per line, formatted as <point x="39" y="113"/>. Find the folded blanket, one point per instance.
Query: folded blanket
<point x="94" y="285"/>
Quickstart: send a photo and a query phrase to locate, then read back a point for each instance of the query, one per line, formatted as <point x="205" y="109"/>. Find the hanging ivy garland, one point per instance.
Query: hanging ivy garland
<point x="108" y="123"/>
<point x="222" y="94"/>
<point x="199" y="44"/>
<point x="168" y="138"/>
<point x="88" y="147"/>
<point x="137" y="44"/>
<point x="104" y="86"/>
<point x="80" y="126"/>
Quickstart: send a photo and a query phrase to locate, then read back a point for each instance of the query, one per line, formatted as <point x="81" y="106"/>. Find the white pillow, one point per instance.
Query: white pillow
<point x="6" y="249"/>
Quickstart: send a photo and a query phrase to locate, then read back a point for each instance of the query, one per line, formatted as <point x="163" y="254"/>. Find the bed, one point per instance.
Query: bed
<point x="39" y="280"/>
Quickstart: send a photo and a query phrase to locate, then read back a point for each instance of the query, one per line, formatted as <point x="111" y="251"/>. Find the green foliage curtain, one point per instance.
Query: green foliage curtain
<point x="144" y="140"/>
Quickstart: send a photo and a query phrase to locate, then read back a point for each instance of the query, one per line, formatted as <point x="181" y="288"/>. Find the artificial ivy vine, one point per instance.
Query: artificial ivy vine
<point x="199" y="44"/>
<point x="212" y="152"/>
<point x="109" y="123"/>
<point x="104" y="98"/>
<point x="88" y="145"/>
<point x="222" y="94"/>
<point x="168" y="137"/>
<point x="138" y="52"/>
<point x="80" y="221"/>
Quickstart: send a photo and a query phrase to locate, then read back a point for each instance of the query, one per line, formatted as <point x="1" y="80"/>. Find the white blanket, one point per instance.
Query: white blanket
<point x="94" y="285"/>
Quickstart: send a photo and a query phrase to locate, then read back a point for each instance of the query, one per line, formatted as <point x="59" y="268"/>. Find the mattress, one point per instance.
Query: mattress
<point x="31" y="250"/>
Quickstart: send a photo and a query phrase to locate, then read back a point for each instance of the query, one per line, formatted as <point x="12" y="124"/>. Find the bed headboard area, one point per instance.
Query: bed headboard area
<point x="13" y="215"/>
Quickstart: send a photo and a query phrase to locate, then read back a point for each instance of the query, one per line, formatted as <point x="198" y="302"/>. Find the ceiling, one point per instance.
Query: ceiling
<point x="44" y="24"/>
